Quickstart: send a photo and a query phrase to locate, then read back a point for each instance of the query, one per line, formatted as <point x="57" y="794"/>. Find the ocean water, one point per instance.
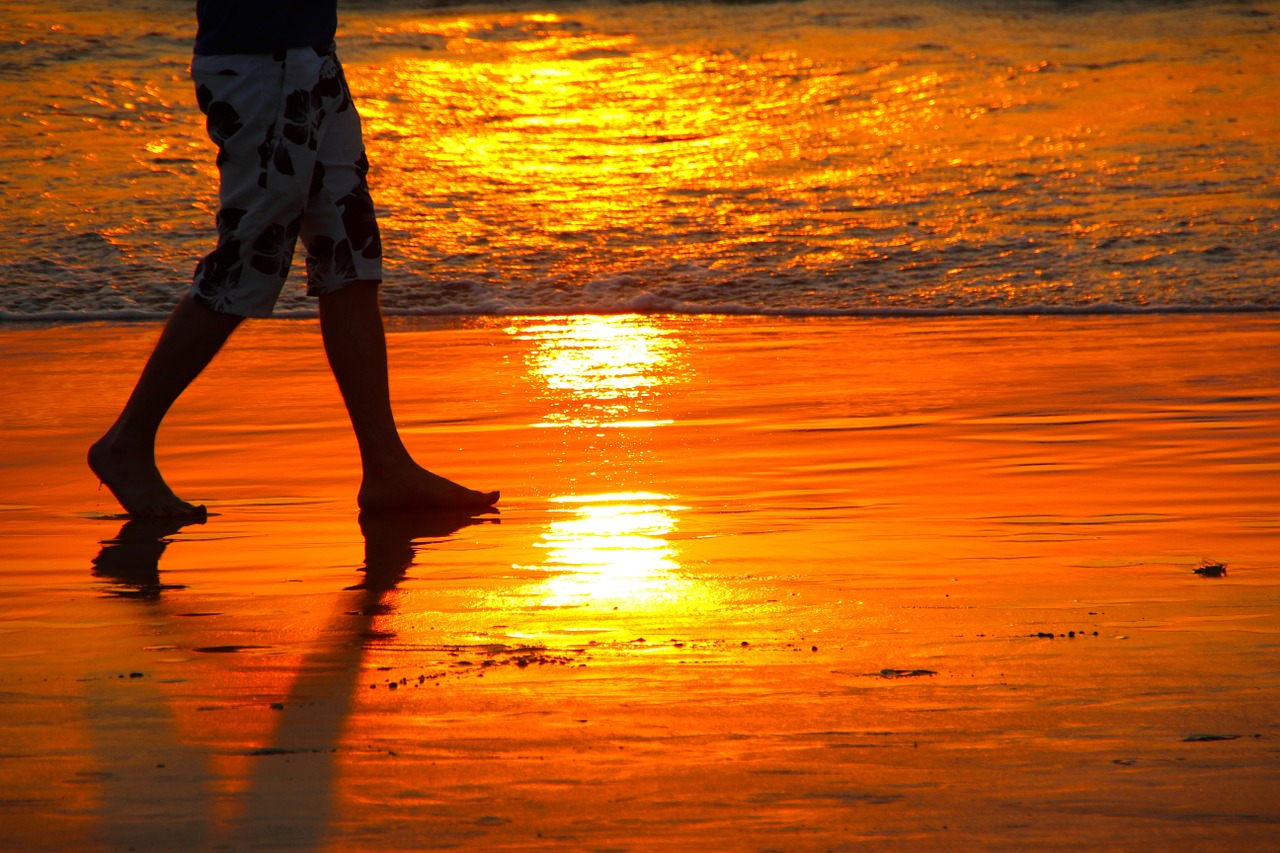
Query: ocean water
<point x="819" y="157"/>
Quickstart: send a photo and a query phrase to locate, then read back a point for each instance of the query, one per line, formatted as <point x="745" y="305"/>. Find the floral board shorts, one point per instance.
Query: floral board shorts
<point x="292" y="164"/>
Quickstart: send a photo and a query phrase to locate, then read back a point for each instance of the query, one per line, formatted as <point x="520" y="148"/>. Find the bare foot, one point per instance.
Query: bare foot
<point x="418" y="488"/>
<point x="137" y="484"/>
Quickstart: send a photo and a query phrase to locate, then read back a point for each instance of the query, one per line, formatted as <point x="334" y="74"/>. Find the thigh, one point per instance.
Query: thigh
<point x="258" y="116"/>
<point x="340" y="227"/>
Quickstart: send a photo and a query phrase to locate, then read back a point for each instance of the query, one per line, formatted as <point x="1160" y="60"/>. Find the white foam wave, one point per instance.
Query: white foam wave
<point x="650" y="304"/>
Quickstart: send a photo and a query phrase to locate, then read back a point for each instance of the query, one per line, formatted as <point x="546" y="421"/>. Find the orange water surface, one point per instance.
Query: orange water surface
<point x="795" y="584"/>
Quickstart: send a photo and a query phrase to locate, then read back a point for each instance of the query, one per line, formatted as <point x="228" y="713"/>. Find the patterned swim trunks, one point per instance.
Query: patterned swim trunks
<point x="292" y="164"/>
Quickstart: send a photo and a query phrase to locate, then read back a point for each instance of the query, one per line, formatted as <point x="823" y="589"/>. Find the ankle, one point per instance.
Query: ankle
<point x="119" y="445"/>
<point x="386" y="463"/>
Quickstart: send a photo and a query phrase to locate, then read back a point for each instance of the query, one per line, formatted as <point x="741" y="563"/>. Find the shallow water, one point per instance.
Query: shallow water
<point x="724" y="545"/>
<point x="813" y="157"/>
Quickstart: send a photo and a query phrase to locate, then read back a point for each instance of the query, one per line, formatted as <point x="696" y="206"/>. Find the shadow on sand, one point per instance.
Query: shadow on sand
<point x="287" y="799"/>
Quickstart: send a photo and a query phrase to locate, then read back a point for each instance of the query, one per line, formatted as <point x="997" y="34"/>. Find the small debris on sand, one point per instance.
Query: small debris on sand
<point x="495" y="655"/>
<point x="1210" y="569"/>
<point x="905" y="673"/>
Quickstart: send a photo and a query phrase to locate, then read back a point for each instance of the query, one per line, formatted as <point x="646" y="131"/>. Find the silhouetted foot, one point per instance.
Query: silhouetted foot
<point x="418" y="488"/>
<point x="137" y="485"/>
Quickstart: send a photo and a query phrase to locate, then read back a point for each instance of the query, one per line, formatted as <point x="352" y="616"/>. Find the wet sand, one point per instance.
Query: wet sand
<point x="754" y="585"/>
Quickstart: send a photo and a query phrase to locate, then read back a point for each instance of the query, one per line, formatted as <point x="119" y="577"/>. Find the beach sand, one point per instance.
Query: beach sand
<point x="756" y="584"/>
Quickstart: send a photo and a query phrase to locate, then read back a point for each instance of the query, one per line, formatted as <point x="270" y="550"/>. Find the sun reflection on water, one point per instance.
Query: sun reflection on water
<point x="610" y="551"/>
<point x="533" y="134"/>
<point x="602" y="372"/>
<point x="608" y="547"/>
<point x="716" y="155"/>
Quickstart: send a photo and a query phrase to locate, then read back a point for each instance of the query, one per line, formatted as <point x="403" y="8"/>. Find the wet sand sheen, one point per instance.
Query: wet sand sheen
<point x="755" y="583"/>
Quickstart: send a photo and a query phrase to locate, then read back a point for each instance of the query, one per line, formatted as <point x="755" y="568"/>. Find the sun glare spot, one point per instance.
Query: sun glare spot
<point x="600" y="371"/>
<point x="611" y="550"/>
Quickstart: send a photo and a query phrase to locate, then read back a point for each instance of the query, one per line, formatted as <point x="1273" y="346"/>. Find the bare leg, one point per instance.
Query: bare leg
<point x="125" y="458"/>
<point x="351" y="323"/>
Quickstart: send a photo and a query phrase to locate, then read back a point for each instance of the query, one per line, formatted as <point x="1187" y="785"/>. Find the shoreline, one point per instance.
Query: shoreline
<point x="648" y="310"/>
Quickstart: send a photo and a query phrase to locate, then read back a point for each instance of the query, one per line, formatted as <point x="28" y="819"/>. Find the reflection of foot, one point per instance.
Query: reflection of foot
<point x="418" y="489"/>
<point x="138" y="486"/>
<point x="132" y="559"/>
<point x="389" y="538"/>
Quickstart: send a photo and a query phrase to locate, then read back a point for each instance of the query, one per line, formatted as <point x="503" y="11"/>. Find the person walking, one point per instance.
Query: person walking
<point x="292" y="166"/>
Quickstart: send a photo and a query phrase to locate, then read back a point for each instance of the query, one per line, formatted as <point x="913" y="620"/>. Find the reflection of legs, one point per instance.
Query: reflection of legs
<point x="351" y="323"/>
<point x="124" y="459"/>
<point x="290" y="799"/>
<point x="154" y="782"/>
<point x="131" y="561"/>
<point x="389" y="539"/>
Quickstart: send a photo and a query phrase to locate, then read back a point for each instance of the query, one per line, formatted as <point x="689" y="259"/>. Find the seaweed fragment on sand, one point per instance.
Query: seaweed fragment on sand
<point x="905" y="673"/>
<point x="1210" y="569"/>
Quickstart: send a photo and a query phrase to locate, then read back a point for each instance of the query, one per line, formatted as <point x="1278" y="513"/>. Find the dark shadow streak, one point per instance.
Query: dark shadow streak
<point x="290" y="796"/>
<point x="289" y="799"/>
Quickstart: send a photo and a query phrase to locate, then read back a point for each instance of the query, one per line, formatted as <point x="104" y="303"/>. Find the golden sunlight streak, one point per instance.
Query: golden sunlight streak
<point x="530" y="135"/>
<point x="600" y="371"/>
<point x="611" y="551"/>
<point x="608" y="550"/>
